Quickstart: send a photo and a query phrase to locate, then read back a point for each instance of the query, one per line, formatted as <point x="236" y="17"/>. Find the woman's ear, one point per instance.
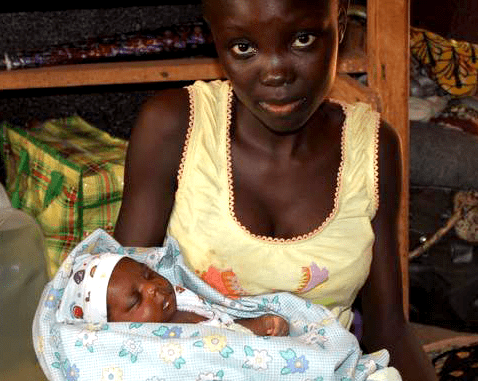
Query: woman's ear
<point x="343" y="6"/>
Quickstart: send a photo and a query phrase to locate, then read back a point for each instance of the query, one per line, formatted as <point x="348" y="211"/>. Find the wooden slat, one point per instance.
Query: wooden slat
<point x="350" y="90"/>
<point x="184" y="69"/>
<point x="388" y="28"/>
<point x="111" y="73"/>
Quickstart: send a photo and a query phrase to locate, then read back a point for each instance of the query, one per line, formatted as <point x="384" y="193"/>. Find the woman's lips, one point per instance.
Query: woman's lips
<point x="281" y="108"/>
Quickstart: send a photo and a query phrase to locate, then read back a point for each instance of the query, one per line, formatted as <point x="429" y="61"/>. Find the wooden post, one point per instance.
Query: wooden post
<point x="388" y="50"/>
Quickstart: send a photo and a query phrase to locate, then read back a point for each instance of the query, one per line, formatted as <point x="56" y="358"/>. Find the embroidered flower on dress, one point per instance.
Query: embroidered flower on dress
<point x="72" y="373"/>
<point x="86" y="338"/>
<point x="295" y="364"/>
<point x="215" y="343"/>
<point x="209" y="376"/>
<point x="368" y="366"/>
<point x="171" y="354"/>
<point x="256" y="359"/>
<point x="131" y="347"/>
<point x="312" y="276"/>
<point x="112" y="374"/>
<point x="225" y="281"/>
<point x="172" y="333"/>
<point x="314" y="336"/>
<point x="270" y="305"/>
<point x="166" y="332"/>
<point x="53" y="298"/>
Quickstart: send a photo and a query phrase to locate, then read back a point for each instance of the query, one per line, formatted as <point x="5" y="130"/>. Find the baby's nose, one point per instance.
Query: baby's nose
<point x="151" y="288"/>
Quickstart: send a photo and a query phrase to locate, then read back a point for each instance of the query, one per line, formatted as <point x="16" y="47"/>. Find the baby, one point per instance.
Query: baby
<point x="102" y="281"/>
<point x="116" y="288"/>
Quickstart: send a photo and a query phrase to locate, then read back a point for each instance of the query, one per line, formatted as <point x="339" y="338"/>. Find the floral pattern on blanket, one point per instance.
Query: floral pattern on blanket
<point x="318" y="348"/>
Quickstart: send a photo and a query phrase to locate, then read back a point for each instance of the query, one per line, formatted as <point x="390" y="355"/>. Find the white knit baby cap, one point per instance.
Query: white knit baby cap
<point x="84" y="297"/>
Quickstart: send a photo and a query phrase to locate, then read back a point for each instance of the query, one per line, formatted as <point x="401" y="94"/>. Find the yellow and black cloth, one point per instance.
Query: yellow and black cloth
<point x="452" y="64"/>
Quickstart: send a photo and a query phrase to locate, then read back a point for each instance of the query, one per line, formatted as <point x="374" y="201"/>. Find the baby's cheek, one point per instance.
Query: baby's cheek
<point x="147" y="314"/>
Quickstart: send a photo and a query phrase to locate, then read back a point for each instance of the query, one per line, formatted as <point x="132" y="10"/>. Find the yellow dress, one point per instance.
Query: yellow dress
<point x="327" y="266"/>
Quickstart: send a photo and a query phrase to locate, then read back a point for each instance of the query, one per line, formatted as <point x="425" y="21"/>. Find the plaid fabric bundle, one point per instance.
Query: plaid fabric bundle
<point x="68" y="175"/>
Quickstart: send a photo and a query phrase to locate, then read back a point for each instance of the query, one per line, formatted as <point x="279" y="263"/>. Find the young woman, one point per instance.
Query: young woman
<point x="269" y="185"/>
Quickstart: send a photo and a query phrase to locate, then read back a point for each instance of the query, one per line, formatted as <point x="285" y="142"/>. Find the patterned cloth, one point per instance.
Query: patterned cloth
<point x="457" y="364"/>
<point x="452" y="64"/>
<point x="68" y="175"/>
<point x="318" y="348"/>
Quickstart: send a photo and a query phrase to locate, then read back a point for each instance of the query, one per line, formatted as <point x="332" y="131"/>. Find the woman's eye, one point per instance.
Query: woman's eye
<point x="304" y="40"/>
<point x="243" y="49"/>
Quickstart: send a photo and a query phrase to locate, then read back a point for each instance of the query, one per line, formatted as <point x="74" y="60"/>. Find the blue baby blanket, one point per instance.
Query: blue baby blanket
<point x="317" y="349"/>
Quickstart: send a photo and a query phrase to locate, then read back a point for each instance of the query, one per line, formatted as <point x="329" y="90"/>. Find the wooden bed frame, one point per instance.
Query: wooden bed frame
<point x="388" y="67"/>
<point x="386" y="61"/>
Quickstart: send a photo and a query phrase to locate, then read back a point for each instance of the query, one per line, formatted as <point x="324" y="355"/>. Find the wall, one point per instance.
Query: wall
<point x="450" y="18"/>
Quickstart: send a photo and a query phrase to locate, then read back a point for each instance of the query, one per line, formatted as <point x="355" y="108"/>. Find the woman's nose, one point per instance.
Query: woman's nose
<point x="277" y="71"/>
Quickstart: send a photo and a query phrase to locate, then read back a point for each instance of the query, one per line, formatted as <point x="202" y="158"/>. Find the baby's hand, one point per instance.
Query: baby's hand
<point x="275" y="325"/>
<point x="267" y="325"/>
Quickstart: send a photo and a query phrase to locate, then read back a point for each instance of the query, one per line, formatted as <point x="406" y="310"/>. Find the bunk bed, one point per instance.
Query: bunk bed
<point x="386" y="62"/>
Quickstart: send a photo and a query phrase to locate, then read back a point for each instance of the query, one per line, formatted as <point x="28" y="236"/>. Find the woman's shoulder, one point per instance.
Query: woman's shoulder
<point x="158" y="137"/>
<point x="164" y="115"/>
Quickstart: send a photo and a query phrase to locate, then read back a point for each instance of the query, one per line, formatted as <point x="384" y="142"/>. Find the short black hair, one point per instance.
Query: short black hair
<point x="206" y="4"/>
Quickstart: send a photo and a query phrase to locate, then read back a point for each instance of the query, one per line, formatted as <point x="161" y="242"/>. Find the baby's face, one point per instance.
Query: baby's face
<point x="138" y="294"/>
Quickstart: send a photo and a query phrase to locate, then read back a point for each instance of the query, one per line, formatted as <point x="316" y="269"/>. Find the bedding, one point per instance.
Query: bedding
<point x="318" y="347"/>
<point x="184" y="40"/>
<point x="442" y="157"/>
<point x="458" y="115"/>
<point x="452" y="64"/>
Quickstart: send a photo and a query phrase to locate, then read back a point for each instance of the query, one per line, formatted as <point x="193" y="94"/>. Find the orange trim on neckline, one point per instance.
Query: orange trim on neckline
<point x="230" y="184"/>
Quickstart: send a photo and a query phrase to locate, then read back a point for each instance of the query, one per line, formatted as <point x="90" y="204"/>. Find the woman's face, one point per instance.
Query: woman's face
<point x="138" y="294"/>
<point x="280" y="55"/>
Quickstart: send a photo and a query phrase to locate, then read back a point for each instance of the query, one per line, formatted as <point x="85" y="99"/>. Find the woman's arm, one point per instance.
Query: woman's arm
<point x="151" y="168"/>
<point x="385" y="324"/>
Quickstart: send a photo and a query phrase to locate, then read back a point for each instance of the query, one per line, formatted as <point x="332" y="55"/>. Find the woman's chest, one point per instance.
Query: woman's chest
<point x="284" y="199"/>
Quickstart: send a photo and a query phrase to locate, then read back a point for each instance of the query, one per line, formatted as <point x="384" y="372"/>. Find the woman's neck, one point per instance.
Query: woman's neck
<point x="248" y="131"/>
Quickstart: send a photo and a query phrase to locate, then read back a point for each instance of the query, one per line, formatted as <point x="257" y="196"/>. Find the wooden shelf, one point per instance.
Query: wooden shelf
<point x="182" y="69"/>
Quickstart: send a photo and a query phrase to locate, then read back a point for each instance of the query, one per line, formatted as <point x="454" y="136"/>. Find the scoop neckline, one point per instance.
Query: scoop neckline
<point x="230" y="182"/>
